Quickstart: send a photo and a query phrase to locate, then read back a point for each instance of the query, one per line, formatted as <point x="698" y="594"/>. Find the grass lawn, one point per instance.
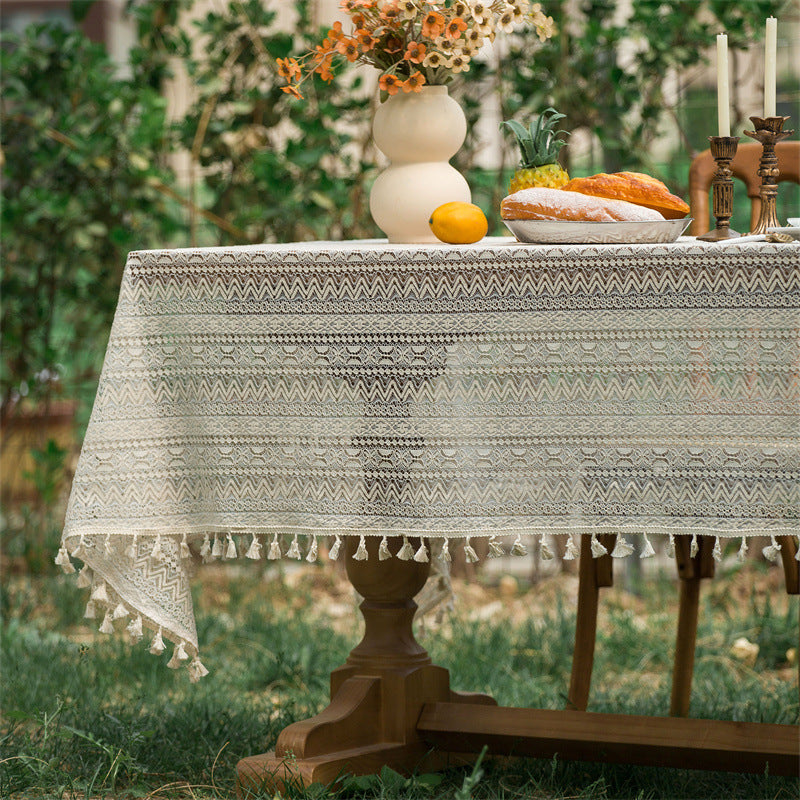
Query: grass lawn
<point x="88" y="716"/>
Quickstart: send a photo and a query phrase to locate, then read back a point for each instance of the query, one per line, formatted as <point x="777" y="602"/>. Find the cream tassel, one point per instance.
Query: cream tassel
<point x="84" y="579"/>
<point x="571" y="551"/>
<point x="622" y="548"/>
<point x="119" y="612"/>
<point x="63" y="560"/>
<point x="406" y="552"/>
<point x="231" y="551"/>
<point x="254" y="551"/>
<point x="91" y="611"/>
<point x="185" y="551"/>
<point x="197" y="670"/>
<point x="545" y="551"/>
<point x="671" y="546"/>
<point x="469" y="552"/>
<point x="361" y="552"/>
<point x="294" y="550"/>
<point x="133" y="548"/>
<point x="694" y="547"/>
<point x="100" y="593"/>
<point x="107" y="627"/>
<point x="134" y="629"/>
<point x="742" y="554"/>
<point x="598" y="548"/>
<point x="421" y="556"/>
<point x="648" y="550"/>
<point x="178" y="655"/>
<point x="274" y="552"/>
<point x="495" y="550"/>
<point x="337" y="544"/>
<point x="383" y="550"/>
<point x="205" y="549"/>
<point x="313" y="551"/>
<point x="157" y="645"/>
<point x="518" y="548"/>
<point x="156" y="553"/>
<point x="445" y="554"/>
<point x="797" y="554"/>
<point x="107" y="544"/>
<point x="216" y="550"/>
<point x="772" y="550"/>
<point x="717" y="552"/>
<point x="80" y="550"/>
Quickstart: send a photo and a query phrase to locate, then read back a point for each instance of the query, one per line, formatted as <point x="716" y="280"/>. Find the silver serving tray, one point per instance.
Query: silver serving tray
<point x="542" y="231"/>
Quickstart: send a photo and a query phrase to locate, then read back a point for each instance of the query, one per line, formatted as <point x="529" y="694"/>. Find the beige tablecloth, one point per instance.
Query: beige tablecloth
<point x="255" y="398"/>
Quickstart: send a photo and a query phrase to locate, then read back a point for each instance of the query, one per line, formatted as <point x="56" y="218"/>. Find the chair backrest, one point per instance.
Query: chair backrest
<point x="745" y="167"/>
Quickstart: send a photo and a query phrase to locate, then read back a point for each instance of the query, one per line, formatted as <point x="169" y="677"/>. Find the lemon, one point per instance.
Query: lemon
<point x="458" y="223"/>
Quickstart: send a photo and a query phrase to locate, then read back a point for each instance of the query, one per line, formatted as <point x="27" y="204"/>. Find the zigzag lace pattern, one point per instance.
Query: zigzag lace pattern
<point x="442" y="392"/>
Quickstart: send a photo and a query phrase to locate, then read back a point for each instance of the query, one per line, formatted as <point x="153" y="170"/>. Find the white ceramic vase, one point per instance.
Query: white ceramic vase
<point x="419" y="133"/>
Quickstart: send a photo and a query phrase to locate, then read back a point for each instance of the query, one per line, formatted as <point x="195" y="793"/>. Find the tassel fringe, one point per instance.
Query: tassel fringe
<point x="133" y="547"/>
<point x="313" y="551"/>
<point x="274" y="549"/>
<point x="254" y="551"/>
<point x="421" y="556"/>
<point x="598" y="548"/>
<point x="294" y="550"/>
<point x="469" y="552"/>
<point x="622" y="548"/>
<point x="361" y="552"/>
<point x="772" y="551"/>
<point x="495" y="550"/>
<point x="571" y="552"/>
<point x="518" y="548"/>
<point x="406" y="552"/>
<point x="383" y="550"/>
<point x="185" y="551"/>
<point x="545" y="551"/>
<point x="648" y="551"/>
<point x="337" y="544"/>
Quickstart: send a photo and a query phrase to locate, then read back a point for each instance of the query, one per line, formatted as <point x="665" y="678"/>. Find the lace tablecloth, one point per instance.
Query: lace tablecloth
<point x="255" y="398"/>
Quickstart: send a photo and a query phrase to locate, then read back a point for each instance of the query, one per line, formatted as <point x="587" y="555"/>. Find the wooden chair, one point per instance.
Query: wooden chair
<point x="595" y="573"/>
<point x="744" y="167"/>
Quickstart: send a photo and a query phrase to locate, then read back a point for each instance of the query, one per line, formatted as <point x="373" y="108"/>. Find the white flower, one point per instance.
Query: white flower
<point x="459" y="63"/>
<point x="473" y="42"/>
<point x="433" y="59"/>
<point x="505" y="22"/>
<point x="447" y="46"/>
<point x="408" y="9"/>
<point x="481" y="12"/>
<point x="460" y="9"/>
<point x="522" y="5"/>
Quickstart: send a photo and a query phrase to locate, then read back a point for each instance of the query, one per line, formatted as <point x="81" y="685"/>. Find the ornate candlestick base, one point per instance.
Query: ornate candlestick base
<point x="723" y="148"/>
<point x="768" y="132"/>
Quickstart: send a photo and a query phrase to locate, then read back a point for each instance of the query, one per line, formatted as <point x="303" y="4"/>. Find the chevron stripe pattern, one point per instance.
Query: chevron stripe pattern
<point x="451" y="391"/>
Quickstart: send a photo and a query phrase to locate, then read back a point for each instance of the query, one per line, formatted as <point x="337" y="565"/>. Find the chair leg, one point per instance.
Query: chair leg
<point x="690" y="571"/>
<point x="791" y="566"/>
<point x="593" y="574"/>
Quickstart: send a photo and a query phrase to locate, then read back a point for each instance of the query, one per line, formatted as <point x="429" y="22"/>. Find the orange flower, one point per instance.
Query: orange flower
<point x="414" y="82"/>
<point x="432" y="24"/>
<point x="358" y="21"/>
<point x="288" y="68"/>
<point x="390" y="84"/>
<point x="392" y="44"/>
<point x="293" y="91"/>
<point x="365" y="39"/>
<point x="335" y="33"/>
<point x="455" y="27"/>
<point x="391" y="12"/>
<point x="348" y="48"/>
<point x="415" y="52"/>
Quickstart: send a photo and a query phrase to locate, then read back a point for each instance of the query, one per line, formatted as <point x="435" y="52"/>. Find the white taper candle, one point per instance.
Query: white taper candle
<point x="770" y="67"/>
<point x="723" y="99"/>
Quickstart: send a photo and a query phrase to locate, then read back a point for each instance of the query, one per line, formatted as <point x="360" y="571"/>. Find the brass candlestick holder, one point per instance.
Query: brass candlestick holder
<point x="769" y="132"/>
<point x="723" y="149"/>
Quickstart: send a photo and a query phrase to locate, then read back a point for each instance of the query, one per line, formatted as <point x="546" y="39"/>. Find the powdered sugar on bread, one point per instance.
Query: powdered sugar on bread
<point x="555" y="204"/>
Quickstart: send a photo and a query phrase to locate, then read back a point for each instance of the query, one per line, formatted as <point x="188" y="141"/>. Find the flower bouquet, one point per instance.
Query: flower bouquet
<point x="411" y="42"/>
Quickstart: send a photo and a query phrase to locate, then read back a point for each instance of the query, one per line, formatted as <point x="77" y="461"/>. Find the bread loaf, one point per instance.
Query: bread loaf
<point x="633" y="187"/>
<point x="556" y="204"/>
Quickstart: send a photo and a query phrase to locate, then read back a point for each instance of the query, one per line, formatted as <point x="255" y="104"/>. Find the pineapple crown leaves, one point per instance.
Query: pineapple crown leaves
<point x="538" y="143"/>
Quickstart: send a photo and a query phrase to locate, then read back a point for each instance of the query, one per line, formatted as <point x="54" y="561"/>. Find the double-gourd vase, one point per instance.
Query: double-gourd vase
<point x="419" y="132"/>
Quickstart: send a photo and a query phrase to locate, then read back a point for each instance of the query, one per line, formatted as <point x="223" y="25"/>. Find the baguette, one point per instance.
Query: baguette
<point x="556" y="204"/>
<point x="633" y="187"/>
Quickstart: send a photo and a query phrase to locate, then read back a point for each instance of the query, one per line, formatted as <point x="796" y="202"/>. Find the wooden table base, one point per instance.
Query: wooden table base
<point x="390" y="705"/>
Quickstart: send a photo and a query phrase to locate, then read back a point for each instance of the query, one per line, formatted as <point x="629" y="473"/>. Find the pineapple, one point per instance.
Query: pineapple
<point x="539" y="148"/>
